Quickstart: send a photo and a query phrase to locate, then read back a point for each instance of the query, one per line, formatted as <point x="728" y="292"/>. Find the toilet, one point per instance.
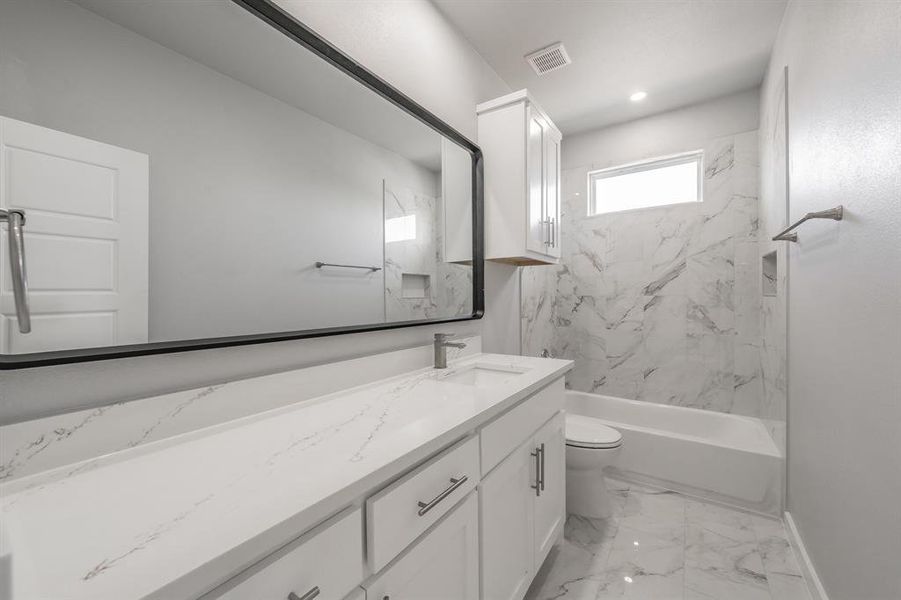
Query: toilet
<point x="590" y="447"/>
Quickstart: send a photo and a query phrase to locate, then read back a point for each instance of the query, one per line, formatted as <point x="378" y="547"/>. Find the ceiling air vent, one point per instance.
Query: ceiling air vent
<point x="549" y="59"/>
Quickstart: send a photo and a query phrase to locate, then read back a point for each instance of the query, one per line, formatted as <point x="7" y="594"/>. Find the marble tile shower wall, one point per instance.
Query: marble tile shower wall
<point x="448" y="292"/>
<point x="773" y="217"/>
<point x="661" y="304"/>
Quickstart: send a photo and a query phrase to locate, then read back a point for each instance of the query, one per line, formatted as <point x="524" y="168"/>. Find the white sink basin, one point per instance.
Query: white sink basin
<point x="483" y="375"/>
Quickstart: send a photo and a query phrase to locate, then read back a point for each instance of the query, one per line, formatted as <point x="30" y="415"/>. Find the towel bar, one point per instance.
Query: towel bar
<point x="319" y="265"/>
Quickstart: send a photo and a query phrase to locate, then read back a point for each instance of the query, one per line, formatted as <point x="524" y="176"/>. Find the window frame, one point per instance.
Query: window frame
<point x="693" y="156"/>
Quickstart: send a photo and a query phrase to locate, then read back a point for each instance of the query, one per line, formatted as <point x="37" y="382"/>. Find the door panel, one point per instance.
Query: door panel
<point x="69" y="330"/>
<point x="68" y="254"/>
<point x="86" y="239"/>
<point x="550" y="506"/>
<point x="77" y="188"/>
<point x="535" y="236"/>
<point x="507" y="535"/>
<point x="552" y="191"/>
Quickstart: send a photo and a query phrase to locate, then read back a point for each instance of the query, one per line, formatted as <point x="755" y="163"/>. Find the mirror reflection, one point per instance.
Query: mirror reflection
<point x="186" y="171"/>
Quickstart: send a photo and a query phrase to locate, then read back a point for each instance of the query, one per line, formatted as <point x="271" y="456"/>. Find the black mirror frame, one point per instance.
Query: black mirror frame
<point x="288" y="25"/>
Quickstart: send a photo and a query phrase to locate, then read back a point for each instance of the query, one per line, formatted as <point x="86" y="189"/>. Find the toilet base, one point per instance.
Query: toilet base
<point x="587" y="495"/>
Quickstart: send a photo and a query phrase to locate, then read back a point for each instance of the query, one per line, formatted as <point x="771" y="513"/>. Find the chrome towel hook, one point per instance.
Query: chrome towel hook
<point x="786" y="235"/>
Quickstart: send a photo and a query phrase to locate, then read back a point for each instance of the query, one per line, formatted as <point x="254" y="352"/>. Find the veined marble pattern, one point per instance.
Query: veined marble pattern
<point x="166" y="520"/>
<point x="659" y="304"/>
<point x="662" y="545"/>
<point x="449" y="292"/>
<point x="38" y="445"/>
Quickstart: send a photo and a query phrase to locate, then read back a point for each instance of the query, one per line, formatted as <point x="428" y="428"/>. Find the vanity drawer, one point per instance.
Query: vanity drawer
<point x="398" y="514"/>
<point x="503" y="435"/>
<point x="329" y="558"/>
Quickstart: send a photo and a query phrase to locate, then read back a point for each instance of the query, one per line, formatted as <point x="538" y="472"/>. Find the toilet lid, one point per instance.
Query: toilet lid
<point x="588" y="432"/>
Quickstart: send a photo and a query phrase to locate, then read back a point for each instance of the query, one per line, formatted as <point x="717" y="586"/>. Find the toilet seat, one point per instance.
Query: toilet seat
<point x="588" y="432"/>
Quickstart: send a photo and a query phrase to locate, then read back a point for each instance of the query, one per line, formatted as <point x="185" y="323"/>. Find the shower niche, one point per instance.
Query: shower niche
<point x="769" y="273"/>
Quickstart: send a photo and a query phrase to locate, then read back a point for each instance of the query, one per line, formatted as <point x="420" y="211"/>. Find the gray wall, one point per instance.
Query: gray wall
<point x="844" y="280"/>
<point x="413" y="47"/>
<point x="299" y="179"/>
<point x="449" y="79"/>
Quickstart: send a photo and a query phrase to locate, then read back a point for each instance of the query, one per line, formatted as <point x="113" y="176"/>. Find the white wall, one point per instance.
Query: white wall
<point x="674" y="131"/>
<point x="844" y="322"/>
<point x="410" y="45"/>
<point x="414" y="48"/>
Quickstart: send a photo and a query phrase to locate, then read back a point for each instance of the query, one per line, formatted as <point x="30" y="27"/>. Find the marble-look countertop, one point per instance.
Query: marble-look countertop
<point x="172" y="519"/>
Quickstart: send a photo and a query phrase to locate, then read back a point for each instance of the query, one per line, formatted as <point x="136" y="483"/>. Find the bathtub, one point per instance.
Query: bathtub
<point x="715" y="456"/>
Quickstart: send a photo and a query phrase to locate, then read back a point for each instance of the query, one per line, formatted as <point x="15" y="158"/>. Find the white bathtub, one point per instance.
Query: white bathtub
<point x="716" y="456"/>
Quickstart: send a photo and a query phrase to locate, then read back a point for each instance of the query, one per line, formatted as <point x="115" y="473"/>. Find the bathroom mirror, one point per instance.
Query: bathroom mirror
<point x="186" y="175"/>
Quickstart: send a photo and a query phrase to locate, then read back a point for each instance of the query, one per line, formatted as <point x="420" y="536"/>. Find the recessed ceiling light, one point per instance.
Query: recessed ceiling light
<point x="638" y="96"/>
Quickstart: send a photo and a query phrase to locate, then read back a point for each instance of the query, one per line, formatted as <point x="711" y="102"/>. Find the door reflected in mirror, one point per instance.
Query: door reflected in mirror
<point x="188" y="172"/>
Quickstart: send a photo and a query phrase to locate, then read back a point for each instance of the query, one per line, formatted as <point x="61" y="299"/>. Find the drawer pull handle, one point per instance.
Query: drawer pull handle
<point x="425" y="507"/>
<point x="308" y="596"/>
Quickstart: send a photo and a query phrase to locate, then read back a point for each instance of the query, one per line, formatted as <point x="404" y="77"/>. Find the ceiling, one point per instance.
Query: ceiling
<point x="679" y="51"/>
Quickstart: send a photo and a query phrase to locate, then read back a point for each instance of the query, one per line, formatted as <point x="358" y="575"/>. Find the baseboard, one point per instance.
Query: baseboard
<point x="814" y="585"/>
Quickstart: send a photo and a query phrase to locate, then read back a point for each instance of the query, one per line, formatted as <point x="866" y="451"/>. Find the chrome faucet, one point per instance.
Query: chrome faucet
<point x="441" y="346"/>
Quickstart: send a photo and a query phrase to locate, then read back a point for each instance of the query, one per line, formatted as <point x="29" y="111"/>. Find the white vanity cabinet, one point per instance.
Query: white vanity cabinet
<point x="523" y="512"/>
<point x="474" y="521"/>
<point x="521" y="149"/>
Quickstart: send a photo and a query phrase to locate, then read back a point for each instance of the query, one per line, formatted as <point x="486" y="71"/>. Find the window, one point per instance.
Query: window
<point x="400" y="229"/>
<point x="671" y="180"/>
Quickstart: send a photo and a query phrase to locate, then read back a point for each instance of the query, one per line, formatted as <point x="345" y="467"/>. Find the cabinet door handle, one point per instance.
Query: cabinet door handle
<point x="425" y="507"/>
<point x="553" y="227"/>
<point x="16" y="220"/>
<point x="538" y="486"/>
<point x="541" y="479"/>
<point x="308" y="596"/>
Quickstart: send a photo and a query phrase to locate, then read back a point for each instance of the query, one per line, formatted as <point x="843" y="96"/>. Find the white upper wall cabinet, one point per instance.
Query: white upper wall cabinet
<point x="521" y="148"/>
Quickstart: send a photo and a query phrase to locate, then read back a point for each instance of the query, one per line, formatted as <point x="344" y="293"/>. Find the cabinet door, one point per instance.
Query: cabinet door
<point x="537" y="227"/>
<point x="550" y="505"/>
<point x="552" y="191"/>
<point x="508" y="503"/>
<point x="443" y="564"/>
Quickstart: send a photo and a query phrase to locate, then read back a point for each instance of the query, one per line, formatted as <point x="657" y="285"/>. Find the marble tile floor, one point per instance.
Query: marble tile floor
<point x="660" y="545"/>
